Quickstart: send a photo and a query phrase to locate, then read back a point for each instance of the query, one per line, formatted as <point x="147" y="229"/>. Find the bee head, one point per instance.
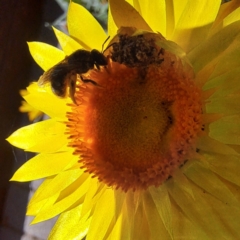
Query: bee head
<point x="99" y="58"/>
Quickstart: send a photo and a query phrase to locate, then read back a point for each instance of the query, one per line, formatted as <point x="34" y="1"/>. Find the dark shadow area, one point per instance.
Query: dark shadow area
<point x="20" y="21"/>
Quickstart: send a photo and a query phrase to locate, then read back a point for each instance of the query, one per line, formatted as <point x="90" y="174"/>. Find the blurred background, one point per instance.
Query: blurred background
<point x="22" y="21"/>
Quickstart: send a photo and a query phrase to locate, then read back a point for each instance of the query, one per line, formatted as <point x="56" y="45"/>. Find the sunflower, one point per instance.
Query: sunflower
<point x="147" y="147"/>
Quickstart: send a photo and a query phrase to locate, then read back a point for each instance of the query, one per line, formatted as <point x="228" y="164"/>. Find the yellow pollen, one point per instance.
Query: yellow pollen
<point x="137" y="125"/>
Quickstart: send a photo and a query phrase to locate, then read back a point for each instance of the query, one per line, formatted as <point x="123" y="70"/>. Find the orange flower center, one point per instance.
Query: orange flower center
<point x="136" y="125"/>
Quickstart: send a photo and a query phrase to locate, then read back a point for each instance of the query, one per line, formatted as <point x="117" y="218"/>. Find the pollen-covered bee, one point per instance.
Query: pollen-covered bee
<point x="64" y="74"/>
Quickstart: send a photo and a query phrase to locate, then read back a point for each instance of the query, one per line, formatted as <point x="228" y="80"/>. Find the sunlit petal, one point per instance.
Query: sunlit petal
<point x="68" y="44"/>
<point x="44" y="165"/>
<point x="42" y="136"/>
<point x="54" y="208"/>
<point x="54" y="107"/>
<point x="134" y="20"/>
<point x="88" y="33"/>
<point x="155" y="15"/>
<point x="195" y="22"/>
<point x="42" y="52"/>
<point x="77" y="223"/>
<point x="208" y="52"/>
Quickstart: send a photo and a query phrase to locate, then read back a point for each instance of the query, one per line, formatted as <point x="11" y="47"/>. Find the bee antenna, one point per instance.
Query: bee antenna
<point x="104" y="44"/>
<point x="108" y="47"/>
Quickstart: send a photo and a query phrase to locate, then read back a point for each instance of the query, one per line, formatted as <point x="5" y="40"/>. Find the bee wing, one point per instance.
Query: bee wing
<point x="45" y="78"/>
<point x="57" y="78"/>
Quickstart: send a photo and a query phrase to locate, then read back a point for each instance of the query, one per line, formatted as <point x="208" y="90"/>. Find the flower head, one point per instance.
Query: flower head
<point x="145" y="143"/>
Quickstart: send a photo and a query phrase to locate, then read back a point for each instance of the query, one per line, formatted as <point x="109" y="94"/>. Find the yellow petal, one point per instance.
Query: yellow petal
<point x="102" y="216"/>
<point x="226" y="84"/>
<point x="118" y="232"/>
<point x="84" y="27"/>
<point x="174" y="11"/>
<point x="125" y="228"/>
<point x="220" y="68"/>
<point x="184" y="228"/>
<point x="45" y="55"/>
<point x="195" y="21"/>
<point x="132" y="2"/>
<point x="228" y="215"/>
<point x="208" y="181"/>
<point x="198" y="210"/>
<point x="211" y="145"/>
<point x="68" y="44"/>
<point x="34" y="207"/>
<point x="223" y="69"/>
<point x="228" y="105"/>
<point x="83" y="179"/>
<point x="54" y="106"/>
<point x="120" y="9"/>
<point x="225" y="166"/>
<point x="71" y="225"/>
<point x="45" y="136"/>
<point x="163" y="207"/>
<point x="140" y="222"/>
<point x="23" y="92"/>
<point x="39" y="206"/>
<point x="156" y="225"/>
<point x="67" y="203"/>
<point x="31" y="111"/>
<point x="232" y="17"/>
<point x="93" y="195"/>
<point x="226" y="130"/>
<point x="59" y="183"/>
<point x="154" y="13"/>
<point x="208" y="51"/>
<point x="228" y="61"/>
<point x="180" y="177"/>
<point x="119" y="199"/>
<point x="43" y="165"/>
<point x="225" y="10"/>
<point x="112" y="28"/>
<point x="129" y="210"/>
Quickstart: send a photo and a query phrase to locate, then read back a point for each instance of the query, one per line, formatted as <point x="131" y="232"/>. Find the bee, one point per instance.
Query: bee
<point x="64" y="74"/>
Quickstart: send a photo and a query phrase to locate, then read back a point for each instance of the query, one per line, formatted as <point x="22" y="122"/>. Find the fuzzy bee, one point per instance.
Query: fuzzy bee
<point x="64" y="74"/>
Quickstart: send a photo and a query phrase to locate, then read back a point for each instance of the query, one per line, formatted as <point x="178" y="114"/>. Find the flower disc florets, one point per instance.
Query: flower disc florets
<point x="139" y="122"/>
